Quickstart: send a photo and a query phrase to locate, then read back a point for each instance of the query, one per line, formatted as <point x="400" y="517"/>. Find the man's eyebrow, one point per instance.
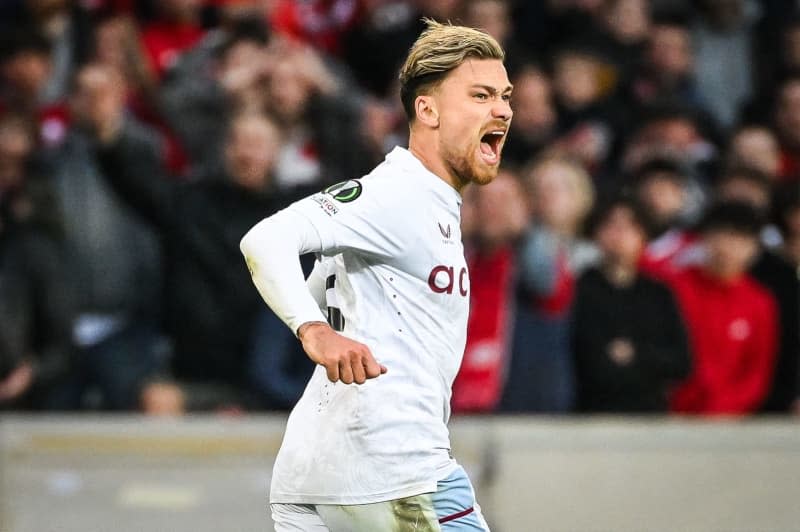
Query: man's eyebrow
<point x="490" y="89"/>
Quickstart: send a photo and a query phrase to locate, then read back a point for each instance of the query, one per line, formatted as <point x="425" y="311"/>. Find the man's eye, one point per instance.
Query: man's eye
<point x="507" y="97"/>
<point x="481" y="96"/>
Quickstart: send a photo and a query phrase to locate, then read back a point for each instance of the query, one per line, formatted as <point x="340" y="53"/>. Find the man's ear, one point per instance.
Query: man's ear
<point x="427" y="112"/>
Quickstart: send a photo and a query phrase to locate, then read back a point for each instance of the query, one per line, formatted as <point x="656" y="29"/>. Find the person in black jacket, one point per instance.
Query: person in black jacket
<point x="36" y="311"/>
<point x="629" y="342"/>
<point x="210" y="304"/>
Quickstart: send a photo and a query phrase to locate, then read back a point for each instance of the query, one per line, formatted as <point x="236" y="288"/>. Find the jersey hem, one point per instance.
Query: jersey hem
<point x="300" y="498"/>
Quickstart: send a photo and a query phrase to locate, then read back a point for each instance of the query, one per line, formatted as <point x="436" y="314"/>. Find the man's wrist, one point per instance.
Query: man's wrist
<point x="303" y="329"/>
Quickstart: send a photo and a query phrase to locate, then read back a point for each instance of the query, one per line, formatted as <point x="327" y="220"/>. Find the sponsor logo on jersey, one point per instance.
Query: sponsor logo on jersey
<point x="442" y="280"/>
<point x="346" y="191"/>
<point x="445" y="232"/>
<point x="327" y="205"/>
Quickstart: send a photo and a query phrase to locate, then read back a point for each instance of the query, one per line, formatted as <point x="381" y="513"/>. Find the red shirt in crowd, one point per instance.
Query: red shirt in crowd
<point x="165" y="41"/>
<point x="479" y="383"/>
<point x="733" y="335"/>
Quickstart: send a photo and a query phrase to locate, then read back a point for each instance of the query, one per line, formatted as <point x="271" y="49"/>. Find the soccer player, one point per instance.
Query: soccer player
<point x="367" y="447"/>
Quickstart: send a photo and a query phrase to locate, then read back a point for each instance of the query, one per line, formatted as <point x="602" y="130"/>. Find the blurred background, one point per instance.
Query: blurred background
<point x="638" y="256"/>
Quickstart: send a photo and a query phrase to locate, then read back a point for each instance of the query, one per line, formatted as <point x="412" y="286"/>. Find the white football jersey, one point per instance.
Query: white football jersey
<point x="396" y="281"/>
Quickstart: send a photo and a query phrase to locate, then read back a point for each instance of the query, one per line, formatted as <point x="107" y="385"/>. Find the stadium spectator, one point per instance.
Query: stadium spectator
<point x="552" y="255"/>
<point x="35" y="304"/>
<point x="626" y="358"/>
<point x="66" y="27"/>
<point x="732" y="320"/>
<point x="787" y="123"/>
<point x="626" y="26"/>
<point x="723" y="51"/>
<point x="320" y="123"/>
<point x="499" y="217"/>
<point x="666" y="74"/>
<point x="112" y="266"/>
<point x="660" y="187"/>
<point x="176" y="30"/>
<point x="587" y="114"/>
<point x="25" y="68"/>
<point x="387" y="28"/>
<point x="755" y="146"/>
<point x="210" y="305"/>
<point x="777" y="275"/>
<point x="535" y="116"/>
<point x="221" y="76"/>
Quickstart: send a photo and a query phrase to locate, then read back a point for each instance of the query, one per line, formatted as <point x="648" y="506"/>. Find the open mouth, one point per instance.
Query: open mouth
<point x="490" y="146"/>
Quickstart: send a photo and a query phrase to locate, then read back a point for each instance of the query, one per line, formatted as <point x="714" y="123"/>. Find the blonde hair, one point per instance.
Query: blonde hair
<point x="438" y="50"/>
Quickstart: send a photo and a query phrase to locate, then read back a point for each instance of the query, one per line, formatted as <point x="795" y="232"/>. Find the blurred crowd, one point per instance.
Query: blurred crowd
<point x="639" y="251"/>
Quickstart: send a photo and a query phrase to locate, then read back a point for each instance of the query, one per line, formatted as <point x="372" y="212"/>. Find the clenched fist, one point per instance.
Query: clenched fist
<point x="344" y="359"/>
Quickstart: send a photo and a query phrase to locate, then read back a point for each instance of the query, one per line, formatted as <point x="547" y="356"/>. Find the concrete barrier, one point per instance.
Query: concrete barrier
<point x="98" y="474"/>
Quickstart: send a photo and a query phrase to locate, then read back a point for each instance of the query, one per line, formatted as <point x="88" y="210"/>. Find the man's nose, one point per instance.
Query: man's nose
<point x="502" y="110"/>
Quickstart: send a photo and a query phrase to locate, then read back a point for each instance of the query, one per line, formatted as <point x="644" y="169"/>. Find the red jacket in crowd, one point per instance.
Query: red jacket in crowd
<point x="733" y="334"/>
<point x="479" y="384"/>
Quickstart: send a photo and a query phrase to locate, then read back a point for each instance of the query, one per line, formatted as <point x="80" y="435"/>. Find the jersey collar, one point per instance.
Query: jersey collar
<point x="406" y="161"/>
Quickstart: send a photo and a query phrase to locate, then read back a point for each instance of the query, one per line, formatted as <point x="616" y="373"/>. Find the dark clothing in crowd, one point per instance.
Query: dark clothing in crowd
<point x="780" y="278"/>
<point x="210" y="302"/>
<point x="644" y="314"/>
<point x="35" y="311"/>
<point x="112" y="267"/>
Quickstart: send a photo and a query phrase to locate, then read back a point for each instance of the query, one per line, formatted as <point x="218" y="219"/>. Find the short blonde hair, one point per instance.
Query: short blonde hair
<point x="440" y="49"/>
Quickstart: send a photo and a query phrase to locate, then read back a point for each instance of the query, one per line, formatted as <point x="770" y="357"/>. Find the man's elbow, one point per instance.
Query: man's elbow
<point x="256" y="238"/>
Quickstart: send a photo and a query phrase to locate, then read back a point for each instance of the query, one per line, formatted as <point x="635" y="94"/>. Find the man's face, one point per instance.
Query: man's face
<point x="620" y="237"/>
<point x="670" y="51"/>
<point x="730" y="253"/>
<point x="663" y="197"/>
<point x="474" y="113"/>
<point x="250" y="152"/>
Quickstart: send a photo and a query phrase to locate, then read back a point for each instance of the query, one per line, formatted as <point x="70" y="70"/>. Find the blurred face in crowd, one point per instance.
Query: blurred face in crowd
<point x="576" y="79"/>
<point x="470" y="113"/>
<point x="663" y="197"/>
<point x="756" y="147"/>
<point x="729" y="252"/>
<point x="26" y="73"/>
<point x="251" y="150"/>
<point x="670" y="51"/>
<point x="16" y="144"/>
<point x="534" y="113"/>
<point x="620" y="237"/>
<point x="628" y="20"/>
<point x="561" y="195"/>
<point x="288" y="92"/>
<point x="788" y="113"/>
<point x="100" y="91"/>
<point x="500" y="210"/>
<point x="489" y="15"/>
<point x="745" y="190"/>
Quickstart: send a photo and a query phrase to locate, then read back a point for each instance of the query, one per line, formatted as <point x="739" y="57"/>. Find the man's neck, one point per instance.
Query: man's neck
<point x="424" y="151"/>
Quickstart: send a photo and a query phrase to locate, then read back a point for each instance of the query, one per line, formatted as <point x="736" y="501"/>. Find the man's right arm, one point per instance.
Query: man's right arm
<point x="271" y="250"/>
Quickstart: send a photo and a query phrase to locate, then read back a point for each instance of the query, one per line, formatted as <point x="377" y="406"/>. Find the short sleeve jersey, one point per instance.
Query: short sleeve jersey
<point x="397" y="281"/>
